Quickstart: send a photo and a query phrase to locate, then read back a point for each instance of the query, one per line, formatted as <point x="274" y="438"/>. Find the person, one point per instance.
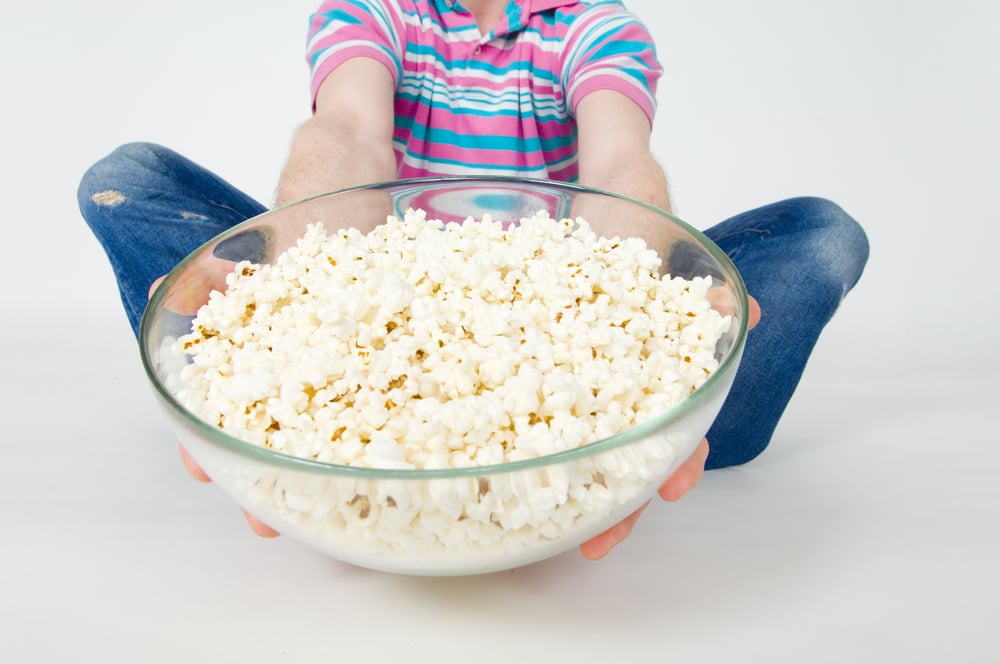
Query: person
<point x="563" y="90"/>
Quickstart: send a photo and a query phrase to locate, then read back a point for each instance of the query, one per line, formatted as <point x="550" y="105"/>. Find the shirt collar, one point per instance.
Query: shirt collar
<point x="530" y="6"/>
<point x="515" y="15"/>
<point x="535" y="6"/>
<point x="518" y="12"/>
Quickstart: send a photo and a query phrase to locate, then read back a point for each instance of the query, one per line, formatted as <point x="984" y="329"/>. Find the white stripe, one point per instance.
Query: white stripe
<point x="418" y="62"/>
<point x="437" y="29"/>
<point x="361" y="44"/>
<point x="381" y="13"/>
<point x="475" y="99"/>
<point x="580" y="43"/>
<point x="628" y="80"/>
<point x="460" y="169"/>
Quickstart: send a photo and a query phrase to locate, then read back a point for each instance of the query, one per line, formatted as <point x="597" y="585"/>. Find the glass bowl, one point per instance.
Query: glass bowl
<point x="451" y="521"/>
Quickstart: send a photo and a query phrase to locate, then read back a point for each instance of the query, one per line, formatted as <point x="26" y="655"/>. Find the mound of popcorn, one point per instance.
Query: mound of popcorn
<point x="432" y="345"/>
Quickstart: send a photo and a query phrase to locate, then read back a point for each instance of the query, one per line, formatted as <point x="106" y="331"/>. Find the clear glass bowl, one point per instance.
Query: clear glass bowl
<point x="406" y="521"/>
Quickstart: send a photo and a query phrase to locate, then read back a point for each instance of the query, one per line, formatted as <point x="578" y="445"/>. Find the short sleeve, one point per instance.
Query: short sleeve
<point x="343" y="29"/>
<point x="609" y="48"/>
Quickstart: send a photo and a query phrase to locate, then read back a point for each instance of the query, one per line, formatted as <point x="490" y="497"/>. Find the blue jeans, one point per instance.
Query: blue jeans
<point x="150" y="207"/>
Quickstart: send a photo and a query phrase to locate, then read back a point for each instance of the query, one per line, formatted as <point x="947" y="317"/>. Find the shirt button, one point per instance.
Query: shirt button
<point x="449" y="3"/>
<point x="478" y="50"/>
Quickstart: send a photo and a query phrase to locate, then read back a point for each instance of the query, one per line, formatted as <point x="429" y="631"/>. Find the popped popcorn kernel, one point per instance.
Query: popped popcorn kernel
<point x="431" y="345"/>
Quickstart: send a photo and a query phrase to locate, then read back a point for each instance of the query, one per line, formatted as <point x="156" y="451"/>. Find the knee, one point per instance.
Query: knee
<point x="719" y="457"/>
<point x="120" y="167"/>
<point x="839" y="245"/>
<point x="104" y="185"/>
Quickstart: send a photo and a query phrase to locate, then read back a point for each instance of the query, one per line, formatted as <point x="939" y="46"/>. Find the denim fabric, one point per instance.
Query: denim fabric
<point x="149" y="208"/>
<point x="799" y="258"/>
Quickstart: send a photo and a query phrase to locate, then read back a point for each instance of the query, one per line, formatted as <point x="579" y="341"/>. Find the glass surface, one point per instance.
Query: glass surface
<point x="446" y="521"/>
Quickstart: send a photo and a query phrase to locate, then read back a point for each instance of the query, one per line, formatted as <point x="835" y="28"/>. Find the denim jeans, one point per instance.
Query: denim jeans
<point x="150" y="207"/>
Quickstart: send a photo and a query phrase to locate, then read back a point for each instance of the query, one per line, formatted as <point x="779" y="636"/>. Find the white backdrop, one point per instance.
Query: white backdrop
<point x="888" y="108"/>
<point x="863" y="534"/>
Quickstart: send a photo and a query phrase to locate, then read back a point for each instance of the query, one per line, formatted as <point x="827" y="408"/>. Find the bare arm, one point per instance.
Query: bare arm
<point x="614" y="149"/>
<point x="615" y="156"/>
<point x="348" y="140"/>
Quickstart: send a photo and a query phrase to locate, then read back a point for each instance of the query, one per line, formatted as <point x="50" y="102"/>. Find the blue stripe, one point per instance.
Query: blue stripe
<point x="442" y="136"/>
<point x="500" y="168"/>
<point x="456" y="67"/>
<point x="491" y="107"/>
<point x="344" y="17"/>
<point x="616" y="48"/>
<point x="447" y="81"/>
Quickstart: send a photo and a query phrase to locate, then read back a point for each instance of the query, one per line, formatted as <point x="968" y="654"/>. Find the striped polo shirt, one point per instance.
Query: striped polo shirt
<point x="495" y="104"/>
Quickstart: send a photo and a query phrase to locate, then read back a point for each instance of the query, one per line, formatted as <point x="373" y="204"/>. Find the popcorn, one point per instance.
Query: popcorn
<point x="432" y="345"/>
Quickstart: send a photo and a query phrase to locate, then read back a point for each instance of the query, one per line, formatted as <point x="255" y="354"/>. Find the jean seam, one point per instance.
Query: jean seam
<point x="760" y="232"/>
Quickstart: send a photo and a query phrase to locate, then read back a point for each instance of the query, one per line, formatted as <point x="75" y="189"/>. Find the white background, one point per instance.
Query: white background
<point x="867" y="532"/>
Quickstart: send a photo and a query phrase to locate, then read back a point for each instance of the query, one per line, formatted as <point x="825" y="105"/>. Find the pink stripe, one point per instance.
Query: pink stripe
<point x="338" y="58"/>
<point x="457" y="47"/>
<point x="496" y="125"/>
<point x="476" y="156"/>
<point x="607" y="82"/>
<point x="542" y="5"/>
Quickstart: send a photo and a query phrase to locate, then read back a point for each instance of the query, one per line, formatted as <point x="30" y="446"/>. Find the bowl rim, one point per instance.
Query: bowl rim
<point x="637" y="432"/>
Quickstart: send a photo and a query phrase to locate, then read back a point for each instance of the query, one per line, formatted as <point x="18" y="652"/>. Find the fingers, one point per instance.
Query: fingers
<point x="191" y="289"/>
<point x="192" y="467"/>
<point x="599" y="546"/>
<point x="722" y="301"/>
<point x="754" y="312"/>
<point x="156" y="283"/>
<point x="259" y="527"/>
<point x="683" y="480"/>
<point x="195" y="471"/>
<point x="687" y="475"/>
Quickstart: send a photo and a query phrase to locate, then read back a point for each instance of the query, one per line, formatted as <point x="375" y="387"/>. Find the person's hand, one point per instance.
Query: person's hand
<point x="186" y="298"/>
<point x="195" y="471"/>
<point x="682" y="481"/>
<point x="677" y="485"/>
<point x="190" y="307"/>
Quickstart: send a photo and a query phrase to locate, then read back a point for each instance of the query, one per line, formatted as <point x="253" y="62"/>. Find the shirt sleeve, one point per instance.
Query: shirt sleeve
<point x="343" y="29"/>
<point x="609" y="48"/>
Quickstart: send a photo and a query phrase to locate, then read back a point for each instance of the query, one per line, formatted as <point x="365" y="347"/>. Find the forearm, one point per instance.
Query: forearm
<point x="348" y="140"/>
<point x="327" y="155"/>
<point x="638" y="176"/>
<point x="615" y="156"/>
<point x="634" y="173"/>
